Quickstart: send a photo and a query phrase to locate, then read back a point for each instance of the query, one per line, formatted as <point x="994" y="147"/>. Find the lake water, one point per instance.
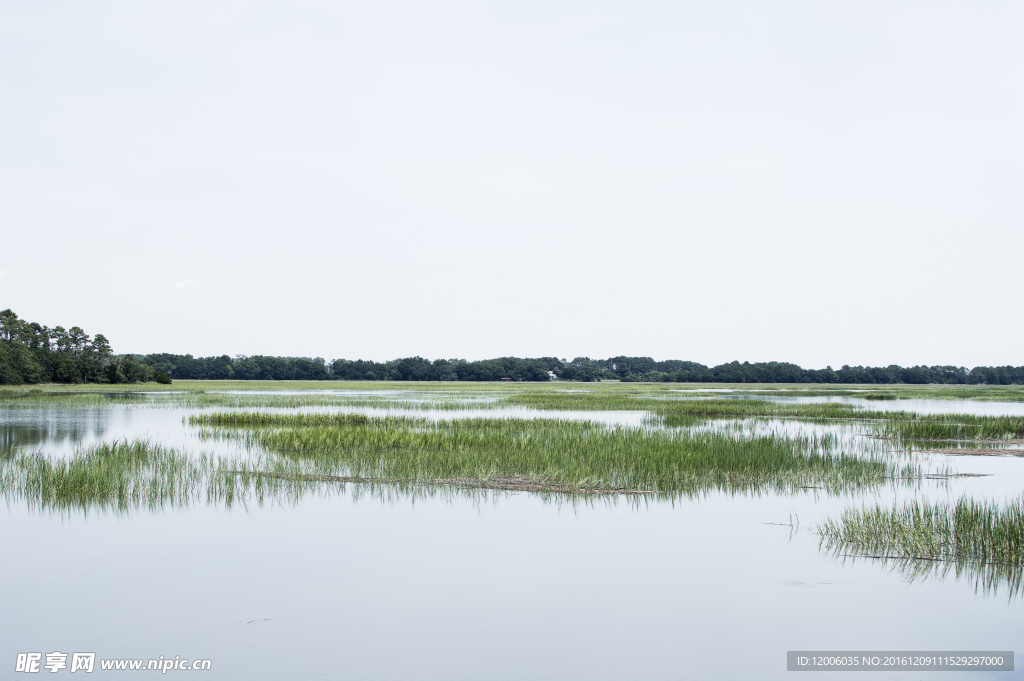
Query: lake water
<point x="348" y="584"/>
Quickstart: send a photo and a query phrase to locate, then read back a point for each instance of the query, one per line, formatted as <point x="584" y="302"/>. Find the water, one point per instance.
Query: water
<point x="348" y="584"/>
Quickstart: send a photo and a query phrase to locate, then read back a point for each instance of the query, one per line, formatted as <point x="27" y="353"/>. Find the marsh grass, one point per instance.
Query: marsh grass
<point x="687" y="407"/>
<point x="198" y="399"/>
<point x="901" y="391"/>
<point x="119" y="475"/>
<point x="292" y="455"/>
<point x="430" y="395"/>
<point x="683" y="447"/>
<point x="820" y="411"/>
<point x="577" y="456"/>
<point x="980" y="393"/>
<point x="263" y="420"/>
<point x="124" y="476"/>
<point x="953" y="427"/>
<point x="981" y="539"/>
<point x="414" y="401"/>
<point x="34" y="397"/>
<point x="681" y="412"/>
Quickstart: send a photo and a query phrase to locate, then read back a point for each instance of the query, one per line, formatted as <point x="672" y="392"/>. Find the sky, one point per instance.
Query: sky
<point x="820" y="183"/>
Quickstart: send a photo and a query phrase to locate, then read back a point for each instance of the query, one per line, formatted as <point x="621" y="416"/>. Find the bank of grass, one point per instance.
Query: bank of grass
<point x="119" y="475"/>
<point x="558" y="456"/>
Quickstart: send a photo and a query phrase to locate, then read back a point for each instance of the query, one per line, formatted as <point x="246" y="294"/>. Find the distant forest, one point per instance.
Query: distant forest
<point x="31" y="353"/>
<point x="579" y="369"/>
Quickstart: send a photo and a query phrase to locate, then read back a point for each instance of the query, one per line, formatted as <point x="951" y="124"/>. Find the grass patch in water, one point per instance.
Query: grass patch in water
<point x="262" y="420"/>
<point x="119" y="475"/>
<point x="983" y="539"/>
<point x="578" y="456"/>
<point x="298" y="454"/>
<point x="33" y="397"/>
<point x="953" y="427"/>
<point x="683" y="407"/>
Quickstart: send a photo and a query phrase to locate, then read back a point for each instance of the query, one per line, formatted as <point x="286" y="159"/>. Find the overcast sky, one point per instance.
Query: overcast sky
<point x="821" y="183"/>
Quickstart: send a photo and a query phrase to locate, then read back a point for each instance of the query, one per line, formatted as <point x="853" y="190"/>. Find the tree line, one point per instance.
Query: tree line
<point x="784" y="372"/>
<point x="32" y="353"/>
<point x="264" y="368"/>
<point x="579" y="369"/>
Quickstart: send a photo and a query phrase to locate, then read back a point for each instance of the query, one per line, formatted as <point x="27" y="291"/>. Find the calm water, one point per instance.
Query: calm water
<point x="508" y="586"/>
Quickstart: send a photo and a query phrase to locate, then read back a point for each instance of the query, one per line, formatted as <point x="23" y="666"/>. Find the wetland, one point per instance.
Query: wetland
<point x="435" y="529"/>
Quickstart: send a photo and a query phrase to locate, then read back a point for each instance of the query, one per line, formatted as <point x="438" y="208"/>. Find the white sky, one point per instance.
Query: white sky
<point x="821" y="183"/>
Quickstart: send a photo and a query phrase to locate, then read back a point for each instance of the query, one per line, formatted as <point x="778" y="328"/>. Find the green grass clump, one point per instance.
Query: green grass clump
<point x="262" y="420"/>
<point x="672" y="407"/>
<point x="568" y="455"/>
<point x="967" y="530"/>
<point x="763" y="408"/>
<point x="980" y="540"/>
<point x="119" y="475"/>
<point x="33" y="397"/>
<point x="953" y="427"/>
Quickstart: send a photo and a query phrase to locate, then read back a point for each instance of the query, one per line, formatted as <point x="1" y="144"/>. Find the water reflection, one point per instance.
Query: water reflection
<point x="990" y="579"/>
<point x="32" y="429"/>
